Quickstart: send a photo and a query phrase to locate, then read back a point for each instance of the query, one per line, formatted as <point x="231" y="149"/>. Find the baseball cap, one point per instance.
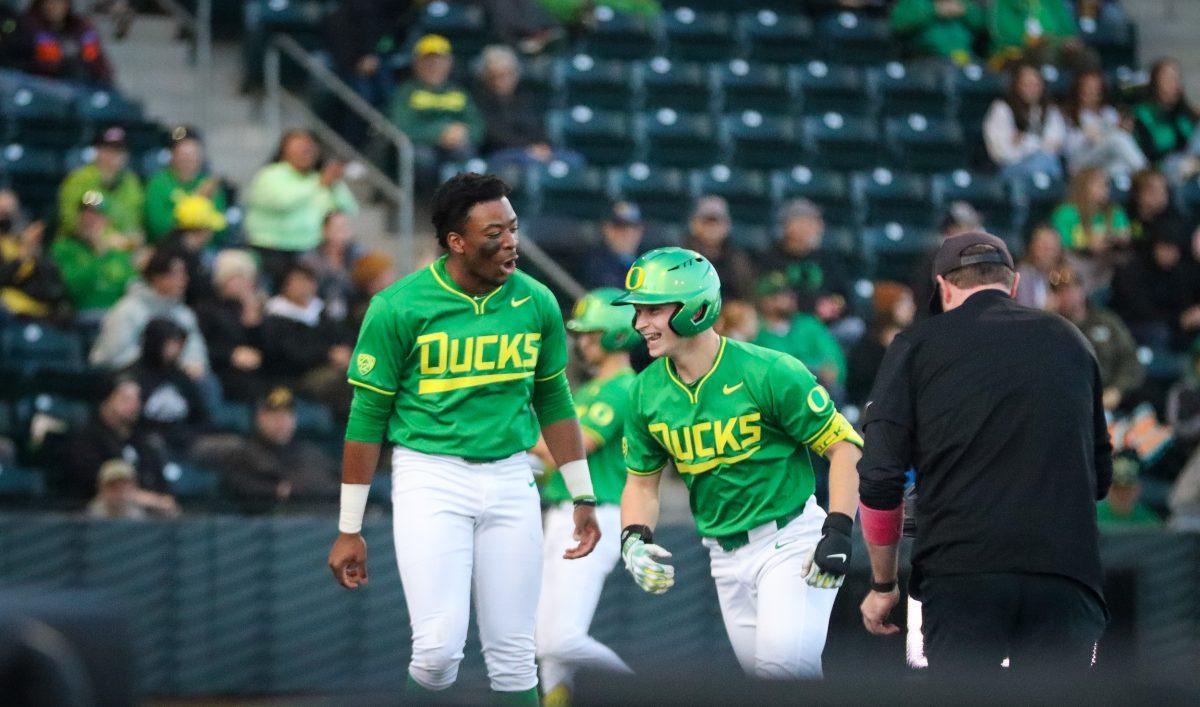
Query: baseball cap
<point x="625" y="213"/>
<point x="771" y="284"/>
<point x="950" y="257"/>
<point x="115" y="470"/>
<point x="278" y="398"/>
<point x="112" y="136"/>
<point x="184" y="132"/>
<point x="93" y="199"/>
<point x="196" y="213"/>
<point x="714" y="207"/>
<point x="431" y="44"/>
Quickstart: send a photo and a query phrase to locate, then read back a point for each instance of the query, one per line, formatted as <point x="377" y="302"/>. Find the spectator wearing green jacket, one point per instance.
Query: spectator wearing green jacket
<point x="95" y="268"/>
<point x="287" y="202"/>
<point x="1165" y="124"/>
<point x="939" y="28"/>
<point x="1041" y="31"/>
<point x="439" y="116"/>
<point x="783" y="328"/>
<point x="108" y="174"/>
<point x="184" y="176"/>
<point x="1088" y="220"/>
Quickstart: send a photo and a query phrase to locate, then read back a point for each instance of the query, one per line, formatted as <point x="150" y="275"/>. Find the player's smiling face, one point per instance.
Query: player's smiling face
<point x="653" y="322"/>
<point x="488" y="243"/>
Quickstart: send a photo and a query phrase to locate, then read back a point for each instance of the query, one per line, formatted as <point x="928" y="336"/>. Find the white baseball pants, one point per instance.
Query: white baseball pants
<point x="570" y="593"/>
<point x="775" y="621"/>
<point x="455" y="521"/>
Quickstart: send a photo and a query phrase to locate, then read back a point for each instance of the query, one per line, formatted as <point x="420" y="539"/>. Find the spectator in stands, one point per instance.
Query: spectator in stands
<point x="231" y="323"/>
<point x="301" y="342"/>
<point x="113" y="434"/>
<point x="819" y="277"/>
<point x="332" y="261"/>
<point x="61" y="44"/>
<point x="173" y="407"/>
<point x="438" y="115"/>
<point x="1156" y="293"/>
<point x="960" y="217"/>
<point x="1122" y="509"/>
<point x="110" y="175"/>
<point x="893" y="310"/>
<point x="118" y="496"/>
<point x="1165" y="124"/>
<point x="1043" y="256"/>
<point x="287" y="202"/>
<point x="1089" y="221"/>
<point x="1116" y="353"/>
<point x="1042" y="32"/>
<point x="782" y="327"/>
<point x="94" y="266"/>
<point x="196" y="220"/>
<point x="1097" y="136"/>
<point x="159" y="294"/>
<point x="708" y="235"/>
<point x="1151" y="215"/>
<point x="273" y="465"/>
<point x="578" y="15"/>
<point x="30" y="284"/>
<point x="1023" y="132"/>
<point x="373" y="273"/>
<point x="185" y="175"/>
<point x="738" y="320"/>
<point x="606" y="264"/>
<point x="942" y="29"/>
<point x="361" y="36"/>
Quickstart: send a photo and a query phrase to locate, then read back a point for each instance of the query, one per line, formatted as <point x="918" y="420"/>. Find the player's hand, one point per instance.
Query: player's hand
<point x="826" y="568"/>
<point x="875" y="609"/>
<point x="642" y="562"/>
<point x="587" y="532"/>
<point x="348" y="560"/>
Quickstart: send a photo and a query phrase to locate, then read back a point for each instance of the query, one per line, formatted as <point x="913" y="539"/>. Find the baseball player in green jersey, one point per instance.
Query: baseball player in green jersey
<point x="571" y="588"/>
<point x="739" y="422"/>
<point x="460" y="364"/>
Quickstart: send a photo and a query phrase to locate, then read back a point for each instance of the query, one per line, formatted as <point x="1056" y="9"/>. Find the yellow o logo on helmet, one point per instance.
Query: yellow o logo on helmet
<point x="635" y="278"/>
<point x="580" y="307"/>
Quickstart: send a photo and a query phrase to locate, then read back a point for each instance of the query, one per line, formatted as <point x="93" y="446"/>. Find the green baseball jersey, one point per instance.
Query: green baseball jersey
<point x="601" y="406"/>
<point x="739" y="435"/>
<point x="460" y="368"/>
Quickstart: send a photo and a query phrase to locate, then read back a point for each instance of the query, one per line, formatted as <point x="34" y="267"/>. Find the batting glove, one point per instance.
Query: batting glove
<point x="826" y="568"/>
<point x="641" y="559"/>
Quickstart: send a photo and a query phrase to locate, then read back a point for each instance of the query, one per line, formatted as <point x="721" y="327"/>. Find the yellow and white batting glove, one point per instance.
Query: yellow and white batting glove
<point x="641" y="559"/>
<point x="826" y="567"/>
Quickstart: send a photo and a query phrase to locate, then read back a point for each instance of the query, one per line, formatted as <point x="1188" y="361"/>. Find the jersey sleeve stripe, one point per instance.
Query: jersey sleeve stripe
<point x="371" y="388"/>
<point x="635" y="472"/>
<point x="550" y="377"/>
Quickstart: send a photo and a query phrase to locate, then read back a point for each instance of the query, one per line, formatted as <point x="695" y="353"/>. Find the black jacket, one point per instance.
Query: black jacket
<point x="510" y="121"/>
<point x="221" y="323"/>
<point x="86" y="450"/>
<point x="998" y="408"/>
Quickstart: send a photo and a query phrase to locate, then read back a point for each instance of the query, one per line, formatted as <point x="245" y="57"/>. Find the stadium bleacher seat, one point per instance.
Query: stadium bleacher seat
<point x="1189" y="200"/>
<point x="232" y="417"/>
<point x="72" y="413"/>
<point x="769" y="36"/>
<point x="825" y="87"/>
<point x="699" y="35"/>
<point x="974" y="90"/>
<point x="1115" y="42"/>
<point x="597" y="83"/>
<point x="674" y="139"/>
<point x="34" y="173"/>
<point x="841" y="142"/>
<point x="618" y="35"/>
<point x="537" y="77"/>
<point x="20" y="484"/>
<point x="856" y="39"/>
<point x="829" y="190"/>
<point x="923" y="144"/>
<point x="758" y="87"/>
<point x="753" y="237"/>
<point x="103" y="107"/>
<point x="299" y="19"/>
<point x="761" y="141"/>
<point x="661" y="193"/>
<point x="39" y="112"/>
<point x="188" y="482"/>
<point x="1039" y="194"/>
<point x="894" y="197"/>
<point x="603" y="137"/>
<point x="895" y="250"/>
<point x="571" y="193"/>
<point x="31" y="346"/>
<point x="678" y="85"/>
<point x="903" y="90"/>
<point x="462" y="23"/>
<point x="313" y="420"/>
<point x="1058" y="82"/>
<point x="989" y="195"/>
<point x="748" y="193"/>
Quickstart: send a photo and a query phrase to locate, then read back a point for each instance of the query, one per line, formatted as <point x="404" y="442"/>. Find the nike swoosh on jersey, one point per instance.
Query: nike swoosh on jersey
<point x="783" y="544"/>
<point x="727" y="389"/>
<point x="840" y="554"/>
<point x="518" y="302"/>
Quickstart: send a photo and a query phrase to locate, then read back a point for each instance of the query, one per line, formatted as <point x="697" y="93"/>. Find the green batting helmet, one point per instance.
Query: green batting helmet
<point x="666" y="275"/>
<point x="595" y="312"/>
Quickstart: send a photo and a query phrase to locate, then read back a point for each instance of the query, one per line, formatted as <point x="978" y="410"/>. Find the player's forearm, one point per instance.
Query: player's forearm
<point x="639" y="501"/>
<point x="884" y="561"/>
<point x="564" y="440"/>
<point x="359" y="460"/>
<point x="843" y="478"/>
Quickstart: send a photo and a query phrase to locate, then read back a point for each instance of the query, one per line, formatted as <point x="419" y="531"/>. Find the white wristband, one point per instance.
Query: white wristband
<point x="354" y="507"/>
<point x="578" y="479"/>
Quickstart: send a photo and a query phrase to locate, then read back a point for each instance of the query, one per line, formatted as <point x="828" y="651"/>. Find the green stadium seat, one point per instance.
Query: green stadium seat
<point x="754" y="238"/>
<point x="761" y="141"/>
<point x="514" y="175"/>
<point x="661" y="234"/>
<point x="189" y="482"/>
<point x="748" y="193"/>
<point x="1116" y="43"/>
<point x="34" y="173"/>
<point x="699" y="36"/>
<point x="840" y="142"/>
<point x="894" y="197"/>
<point x="101" y="106"/>
<point x="31" y="347"/>
<point x="975" y="89"/>
<point x="829" y="190"/>
<point x="758" y="87"/>
<point x="618" y="35"/>
<point x="987" y="193"/>
<point x="1189" y="199"/>
<point x="597" y="83"/>
<point x="39" y="112"/>
<point x="903" y="90"/>
<point x="464" y="24"/>
<point x="825" y="87"/>
<point x="313" y="420"/>
<point x="673" y="139"/>
<point x="1058" y="83"/>
<point x="603" y="137"/>
<point x="234" y="417"/>
<point x="537" y="77"/>
<point x="1040" y="194"/>
<point x="299" y="19"/>
<point x="894" y="250"/>
<point x="856" y="39"/>
<point x="21" y="484"/>
<point x="72" y="413"/>
<point x="928" y="145"/>
<point x="571" y="193"/>
<point x="678" y="85"/>
<point x="661" y="193"/>
<point x="777" y="38"/>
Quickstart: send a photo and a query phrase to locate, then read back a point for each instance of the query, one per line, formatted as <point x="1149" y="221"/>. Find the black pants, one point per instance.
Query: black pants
<point x="1042" y="623"/>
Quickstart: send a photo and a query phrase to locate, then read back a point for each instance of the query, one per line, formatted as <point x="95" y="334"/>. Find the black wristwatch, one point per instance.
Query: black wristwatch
<point x="883" y="587"/>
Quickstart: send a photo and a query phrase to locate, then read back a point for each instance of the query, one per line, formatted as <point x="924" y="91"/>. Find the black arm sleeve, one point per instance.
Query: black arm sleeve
<point x="1102" y="443"/>
<point x="888" y="430"/>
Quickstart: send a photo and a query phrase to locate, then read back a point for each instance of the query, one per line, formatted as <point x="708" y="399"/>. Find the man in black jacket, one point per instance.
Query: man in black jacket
<point x="998" y="407"/>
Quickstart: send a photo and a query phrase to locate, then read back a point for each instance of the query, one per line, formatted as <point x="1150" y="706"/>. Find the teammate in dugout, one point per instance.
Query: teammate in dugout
<point x="571" y="588"/>
<point x="738" y="421"/>
<point x="460" y="363"/>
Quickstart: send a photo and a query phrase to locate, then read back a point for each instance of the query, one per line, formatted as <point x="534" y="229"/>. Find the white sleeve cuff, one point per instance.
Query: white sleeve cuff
<point x="353" y="508"/>
<point x="578" y="479"/>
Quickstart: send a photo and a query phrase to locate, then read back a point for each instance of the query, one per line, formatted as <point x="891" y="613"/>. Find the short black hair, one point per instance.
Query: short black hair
<point x="453" y="200"/>
<point x="299" y="268"/>
<point x="160" y="262"/>
<point x="980" y="274"/>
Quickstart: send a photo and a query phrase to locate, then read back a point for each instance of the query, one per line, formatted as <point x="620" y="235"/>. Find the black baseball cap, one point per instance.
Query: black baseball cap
<point x="950" y="257"/>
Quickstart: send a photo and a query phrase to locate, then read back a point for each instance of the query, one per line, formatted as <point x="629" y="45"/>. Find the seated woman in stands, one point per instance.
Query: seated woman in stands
<point x="1023" y="131"/>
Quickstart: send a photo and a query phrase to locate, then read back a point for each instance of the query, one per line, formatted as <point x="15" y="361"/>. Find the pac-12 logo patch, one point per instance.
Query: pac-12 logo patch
<point x="365" y="363"/>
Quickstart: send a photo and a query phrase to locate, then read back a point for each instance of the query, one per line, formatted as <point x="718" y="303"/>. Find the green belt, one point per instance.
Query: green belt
<point x="733" y="541"/>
